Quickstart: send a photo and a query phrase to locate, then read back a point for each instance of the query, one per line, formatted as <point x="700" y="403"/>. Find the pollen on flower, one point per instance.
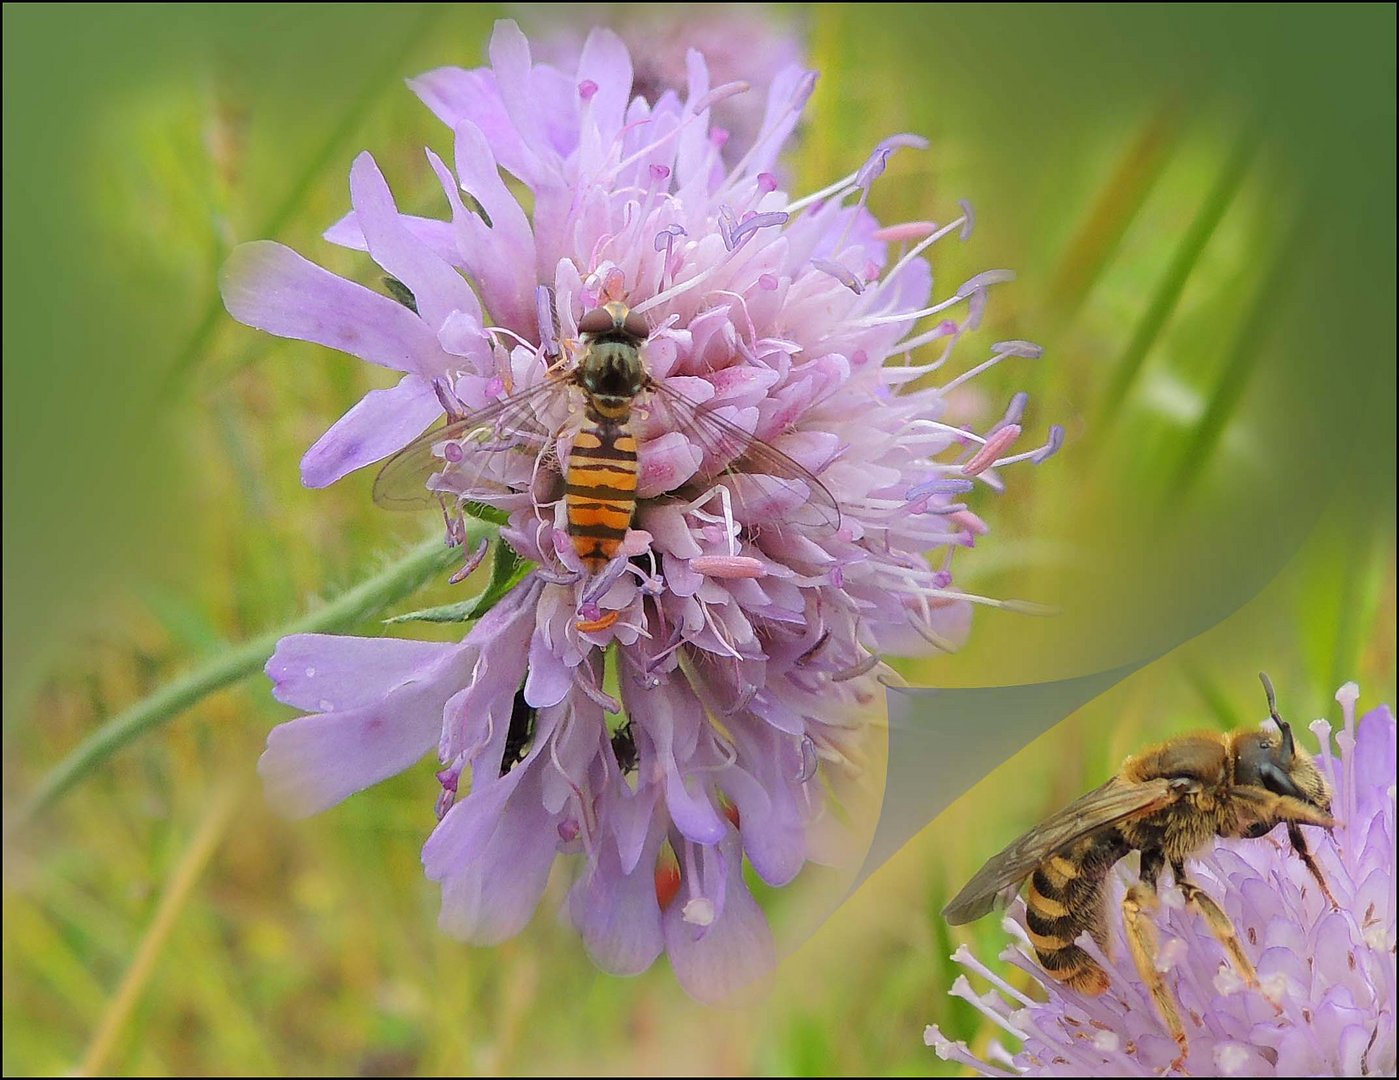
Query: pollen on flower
<point x="699" y="912"/>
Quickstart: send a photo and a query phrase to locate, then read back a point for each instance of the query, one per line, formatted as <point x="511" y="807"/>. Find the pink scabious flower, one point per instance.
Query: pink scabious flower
<point x="744" y="641"/>
<point x="1326" y="1001"/>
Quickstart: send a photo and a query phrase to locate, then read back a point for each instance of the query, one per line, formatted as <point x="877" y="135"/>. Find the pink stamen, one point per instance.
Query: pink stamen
<point x="586" y="89"/>
<point x="718" y="94"/>
<point x="969" y="521"/>
<point x="728" y="566"/>
<point x="908" y="230"/>
<point x="995" y="446"/>
<point x="472" y="562"/>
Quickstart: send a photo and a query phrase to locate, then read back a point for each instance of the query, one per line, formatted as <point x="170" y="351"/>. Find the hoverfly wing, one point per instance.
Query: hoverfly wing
<point x="768" y="484"/>
<point x="1115" y="801"/>
<point x="481" y="451"/>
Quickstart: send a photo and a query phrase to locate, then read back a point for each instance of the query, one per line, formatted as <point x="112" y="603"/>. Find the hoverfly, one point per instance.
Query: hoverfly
<point x="497" y="452"/>
<point x="1166" y="803"/>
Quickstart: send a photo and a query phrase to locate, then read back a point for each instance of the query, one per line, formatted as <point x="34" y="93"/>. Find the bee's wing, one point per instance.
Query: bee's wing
<point x="481" y="464"/>
<point x="1114" y="802"/>
<point x="764" y="480"/>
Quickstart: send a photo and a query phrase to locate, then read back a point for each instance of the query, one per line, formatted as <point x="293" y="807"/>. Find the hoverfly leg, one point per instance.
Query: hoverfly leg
<point x="1220" y="925"/>
<point x="1299" y="845"/>
<point x="1140" y="903"/>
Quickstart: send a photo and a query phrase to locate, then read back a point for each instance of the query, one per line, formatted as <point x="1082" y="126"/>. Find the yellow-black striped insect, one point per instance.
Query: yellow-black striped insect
<point x="513" y="447"/>
<point x="1167" y="803"/>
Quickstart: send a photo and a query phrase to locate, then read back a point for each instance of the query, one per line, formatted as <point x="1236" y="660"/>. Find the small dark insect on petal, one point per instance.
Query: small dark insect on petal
<point x="624" y="747"/>
<point x="402" y="293"/>
<point x="520" y="734"/>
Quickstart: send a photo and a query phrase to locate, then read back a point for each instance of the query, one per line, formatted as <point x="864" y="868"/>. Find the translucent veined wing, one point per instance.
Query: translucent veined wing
<point x="1115" y="801"/>
<point x="765" y="482"/>
<point x="487" y="454"/>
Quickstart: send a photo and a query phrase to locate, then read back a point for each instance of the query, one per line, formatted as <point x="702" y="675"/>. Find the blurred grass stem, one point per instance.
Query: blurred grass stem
<point x="1168" y="292"/>
<point x="172" y="901"/>
<point x="361" y="602"/>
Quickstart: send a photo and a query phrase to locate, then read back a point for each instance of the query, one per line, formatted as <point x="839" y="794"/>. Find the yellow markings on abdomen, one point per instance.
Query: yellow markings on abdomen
<point x="600" y="490"/>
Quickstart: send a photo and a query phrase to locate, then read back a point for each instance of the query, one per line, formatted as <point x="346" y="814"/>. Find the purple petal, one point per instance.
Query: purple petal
<point x="666" y="463"/>
<point x="272" y="288"/>
<point x="617" y="914"/>
<point x="325" y="672"/>
<point x="438" y="288"/>
<point x="501" y="256"/>
<point x="550" y="679"/>
<point x="436" y="236"/>
<point x="492" y="853"/>
<point x="313" y="762"/>
<point x="454" y="95"/>
<point x="733" y="954"/>
<point x="380" y="423"/>
<point x="607" y="64"/>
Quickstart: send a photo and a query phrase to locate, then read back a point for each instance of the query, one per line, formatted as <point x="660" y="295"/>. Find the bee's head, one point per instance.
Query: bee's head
<point x="1267" y="760"/>
<point x="614" y="320"/>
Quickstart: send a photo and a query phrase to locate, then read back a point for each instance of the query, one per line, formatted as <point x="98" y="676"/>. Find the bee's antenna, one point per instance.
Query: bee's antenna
<point x="1288" y="747"/>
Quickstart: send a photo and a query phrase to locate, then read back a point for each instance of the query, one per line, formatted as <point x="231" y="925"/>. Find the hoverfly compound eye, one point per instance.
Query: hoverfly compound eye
<point x="597" y="321"/>
<point x="635" y="326"/>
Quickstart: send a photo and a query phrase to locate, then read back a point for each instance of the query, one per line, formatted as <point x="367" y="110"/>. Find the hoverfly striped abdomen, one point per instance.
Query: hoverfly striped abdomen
<point x="600" y="489"/>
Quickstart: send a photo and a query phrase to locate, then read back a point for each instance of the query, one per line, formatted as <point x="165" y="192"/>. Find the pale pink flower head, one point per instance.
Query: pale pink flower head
<point x="687" y="710"/>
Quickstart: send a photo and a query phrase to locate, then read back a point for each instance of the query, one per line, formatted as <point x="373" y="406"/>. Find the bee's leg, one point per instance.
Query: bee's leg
<point x="1218" y="922"/>
<point x="1299" y="845"/>
<point x="1138" y="905"/>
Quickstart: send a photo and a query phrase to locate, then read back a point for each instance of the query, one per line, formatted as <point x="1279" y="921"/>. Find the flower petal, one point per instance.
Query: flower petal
<point x="325" y="672"/>
<point x="438" y="289"/>
<point x="733" y="954"/>
<point x="272" y="288"/>
<point x="380" y="423"/>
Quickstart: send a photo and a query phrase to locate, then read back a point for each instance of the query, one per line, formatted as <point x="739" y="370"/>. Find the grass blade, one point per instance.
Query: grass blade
<point x="1168" y="292"/>
<point x="172" y="900"/>
<point x="1238" y="369"/>
<point x="1115" y="208"/>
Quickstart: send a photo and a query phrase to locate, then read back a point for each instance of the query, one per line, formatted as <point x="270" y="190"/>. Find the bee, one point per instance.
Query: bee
<point x="1166" y="803"/>
<point x="485" y="456"/>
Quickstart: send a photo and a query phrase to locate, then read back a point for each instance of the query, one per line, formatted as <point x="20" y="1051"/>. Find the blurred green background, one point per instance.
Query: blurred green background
<point x="1199" y="204"/>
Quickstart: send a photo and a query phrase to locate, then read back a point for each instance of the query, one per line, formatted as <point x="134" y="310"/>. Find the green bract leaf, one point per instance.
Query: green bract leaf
<point x="507" y="571"/>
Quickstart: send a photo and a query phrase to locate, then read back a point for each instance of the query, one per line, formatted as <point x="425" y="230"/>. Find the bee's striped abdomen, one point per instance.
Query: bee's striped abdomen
<point x="1065" y="898"/>
<point x="600" y="490"/>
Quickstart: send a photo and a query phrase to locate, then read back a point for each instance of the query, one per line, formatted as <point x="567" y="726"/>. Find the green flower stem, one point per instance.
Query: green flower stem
<point x="361" y="602"/>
